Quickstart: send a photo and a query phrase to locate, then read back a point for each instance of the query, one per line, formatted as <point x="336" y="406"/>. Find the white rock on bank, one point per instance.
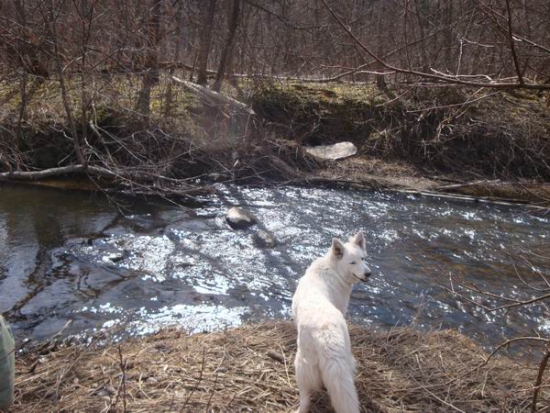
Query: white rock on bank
<point x="332" y="152"/>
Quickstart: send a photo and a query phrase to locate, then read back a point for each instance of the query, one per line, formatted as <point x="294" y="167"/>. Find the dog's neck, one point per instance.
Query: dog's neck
<point x="340" y="295"/>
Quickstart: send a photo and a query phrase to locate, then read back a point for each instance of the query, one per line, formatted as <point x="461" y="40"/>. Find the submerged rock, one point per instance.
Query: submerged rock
<point x="263" y="239"/>
<point x="238" y="218"/>
<point x="333" y="152"/>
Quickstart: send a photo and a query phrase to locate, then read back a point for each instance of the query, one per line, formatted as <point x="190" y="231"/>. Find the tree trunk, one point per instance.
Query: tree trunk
<point x="179" y="24"/>
<point x="225" y="60"/>
<point x="380" y="79"/>
<point x="422" y="13"/>
<point x="151" y="76"/>
<point x="206" y="41"/>
<point x="86" y="15"/>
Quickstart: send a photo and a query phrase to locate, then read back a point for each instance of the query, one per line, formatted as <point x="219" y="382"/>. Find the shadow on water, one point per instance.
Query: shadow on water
<point x="74" y="256"/>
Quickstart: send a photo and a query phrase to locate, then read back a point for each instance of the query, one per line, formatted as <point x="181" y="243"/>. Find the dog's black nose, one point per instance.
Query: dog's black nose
<point x="368" y="274"/>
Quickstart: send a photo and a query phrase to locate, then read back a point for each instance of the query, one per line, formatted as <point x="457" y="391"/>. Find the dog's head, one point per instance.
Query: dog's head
<point x="349" y="259"/>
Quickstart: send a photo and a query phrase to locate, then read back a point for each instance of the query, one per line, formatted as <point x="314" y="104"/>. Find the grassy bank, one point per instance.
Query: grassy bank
<point x="177" y="149"/>
<point x="410" y="137"/>
<point x="251" y="369"/>
<point x="445" y="129"/>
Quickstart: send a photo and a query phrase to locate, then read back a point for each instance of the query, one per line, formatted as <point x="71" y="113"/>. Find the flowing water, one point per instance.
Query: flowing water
<point x="76" y="256"/>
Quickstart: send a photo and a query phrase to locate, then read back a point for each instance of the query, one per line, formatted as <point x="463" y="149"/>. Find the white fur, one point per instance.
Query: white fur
<point x="319" y="305"/>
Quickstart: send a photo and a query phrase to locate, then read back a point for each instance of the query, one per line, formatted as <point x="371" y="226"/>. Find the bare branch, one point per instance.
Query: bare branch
<point x="542" y="368"/>
<point x="444" y="78"/>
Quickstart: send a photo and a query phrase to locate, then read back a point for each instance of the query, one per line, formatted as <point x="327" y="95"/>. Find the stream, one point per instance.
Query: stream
<point x="77" y="256"/>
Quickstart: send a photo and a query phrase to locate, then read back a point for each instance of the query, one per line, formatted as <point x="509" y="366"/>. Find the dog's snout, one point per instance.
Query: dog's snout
<point x="368" y="273"/>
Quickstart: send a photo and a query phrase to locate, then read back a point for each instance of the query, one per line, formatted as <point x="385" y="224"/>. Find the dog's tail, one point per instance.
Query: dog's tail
<point x="338" y="377"/>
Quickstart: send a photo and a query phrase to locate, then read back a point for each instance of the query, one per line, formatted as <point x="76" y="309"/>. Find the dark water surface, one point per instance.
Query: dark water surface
<point x="75" y="256"/>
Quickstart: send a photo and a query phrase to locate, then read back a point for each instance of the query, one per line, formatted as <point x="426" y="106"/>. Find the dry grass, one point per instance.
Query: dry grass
<point x="249" y="369"/>
<point x="437" y="129"/>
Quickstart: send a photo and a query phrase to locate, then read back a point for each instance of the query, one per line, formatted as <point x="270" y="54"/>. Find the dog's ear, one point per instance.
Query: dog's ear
<point x="359" y="240"/>
<point x="337" y="248"/>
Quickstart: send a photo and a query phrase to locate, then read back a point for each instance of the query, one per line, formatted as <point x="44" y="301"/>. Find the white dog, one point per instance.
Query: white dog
<point x="319" y="305"/>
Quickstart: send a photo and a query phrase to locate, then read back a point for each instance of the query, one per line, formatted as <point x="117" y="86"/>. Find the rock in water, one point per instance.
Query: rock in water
<point x="263" y="239"/>
<point x="333" y="152"/>
<point x="238" y="218"/>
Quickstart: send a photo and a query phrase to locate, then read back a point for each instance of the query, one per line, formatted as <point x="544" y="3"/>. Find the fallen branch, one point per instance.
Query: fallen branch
<point x="133" y="178"/>
<point x="466" y="184"/>
<point x="46" y="173"/>
<point x="363" y="184"/>
<point x="542" y="368"/>
<point x="487" y="199"/>
<point x="78" y="169"/>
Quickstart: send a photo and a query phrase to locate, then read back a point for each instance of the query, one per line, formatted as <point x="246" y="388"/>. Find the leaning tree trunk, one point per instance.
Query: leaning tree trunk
<point x="227" y="52"/>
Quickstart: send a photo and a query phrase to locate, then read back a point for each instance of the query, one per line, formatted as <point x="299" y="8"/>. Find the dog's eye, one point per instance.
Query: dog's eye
<point x="353" y="263"/>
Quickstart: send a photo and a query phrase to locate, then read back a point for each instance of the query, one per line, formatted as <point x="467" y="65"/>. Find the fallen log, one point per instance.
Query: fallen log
<point x="170" y="186"/>
<point x="36" y="175"/>
<point x="211" y="96"/>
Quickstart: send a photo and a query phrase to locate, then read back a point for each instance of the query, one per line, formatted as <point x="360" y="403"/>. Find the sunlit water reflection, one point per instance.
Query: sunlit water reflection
<point x="73" y="256"/>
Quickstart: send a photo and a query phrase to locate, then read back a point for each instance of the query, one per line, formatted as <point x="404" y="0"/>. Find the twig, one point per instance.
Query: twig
<point x="467" y="102"/>
<point x="513" y="301"/>
<point x="510" y="341"/>
<point x="542" y="369"/>
<point x="198" y="382"/>
<point x="52" y="339"/>
<point x="122" y="365"/>
<point x="217" y="371"/>
<point x="467" y="184"/>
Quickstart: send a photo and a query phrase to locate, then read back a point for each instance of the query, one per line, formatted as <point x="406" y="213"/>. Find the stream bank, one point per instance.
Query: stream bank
<point x="416" y="138"/>
<point x="250" y="368"/>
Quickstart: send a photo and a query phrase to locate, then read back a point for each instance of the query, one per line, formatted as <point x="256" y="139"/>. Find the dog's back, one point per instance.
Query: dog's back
<point x="324" y="350"/>
<point x="324" y="356"/>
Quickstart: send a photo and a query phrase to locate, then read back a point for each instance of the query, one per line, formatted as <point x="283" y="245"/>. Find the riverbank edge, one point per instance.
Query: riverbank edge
<point x="250" y="368"/>
<point x="431" y="139"/>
